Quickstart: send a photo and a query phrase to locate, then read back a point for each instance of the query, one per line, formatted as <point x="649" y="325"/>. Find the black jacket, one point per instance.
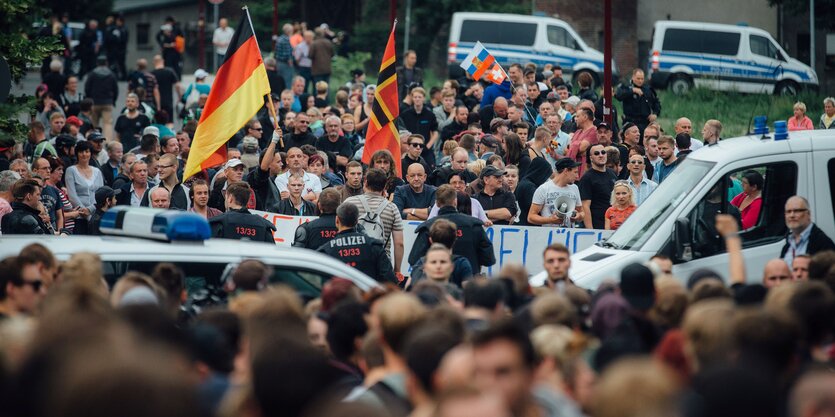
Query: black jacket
<point x="636" y="108"/>
<point x="472" y="242"/>
<point x="441" y="176"/>
<point x="312" y="235"/>
<point x="23" y="220"/>
<point x="358" y="250"/>
<point x="123" y="199"/>
<point x="451" y="130"/>
<point x="101" y="87"/>
<point x="818" y="242"/>
<point x="95" y="222"/>
<point x="286" y="207"/>
<point x="243" y="225"/>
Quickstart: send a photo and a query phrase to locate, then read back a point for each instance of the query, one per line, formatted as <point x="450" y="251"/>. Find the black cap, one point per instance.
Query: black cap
<point x="489" y="141"/>
<point x="96" y="136"/>
<point x="491" y="171"/>
<point x="105" y="192"/>
<point x="637" y="285"/>
<point x="565" y="163"/>
<point x="64" y="141"/>
<point x="603" y="125"/>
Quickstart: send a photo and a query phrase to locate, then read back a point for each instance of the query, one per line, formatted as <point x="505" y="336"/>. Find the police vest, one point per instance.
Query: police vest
<point x="357" y="250"/>
<point x="316" y="233"/>
<point x="241" y="224"/>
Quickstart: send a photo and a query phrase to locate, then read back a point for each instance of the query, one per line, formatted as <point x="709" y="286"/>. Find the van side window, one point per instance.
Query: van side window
<point x="830" y="166"/>
<point x="507" y="33"/>
<point x="760" y="45"/>
<point x="701" y="41"/>
<point x="763" y="220"/>
<point x="560" y="37"/>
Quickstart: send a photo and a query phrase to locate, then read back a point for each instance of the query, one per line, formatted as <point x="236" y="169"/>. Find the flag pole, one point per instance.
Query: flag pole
<point x="275" y="121"/>
<point x="530" y="115"/>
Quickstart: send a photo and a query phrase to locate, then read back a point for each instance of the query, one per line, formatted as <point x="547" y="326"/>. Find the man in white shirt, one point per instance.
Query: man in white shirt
<point x="684" y="125"/>
<point x="297" y="164"/>
<point x="220" y="39"/>
<point x="543" y="210"/>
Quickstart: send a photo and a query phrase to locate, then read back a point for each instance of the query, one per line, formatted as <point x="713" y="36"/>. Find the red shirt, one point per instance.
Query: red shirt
<point x="589" y="135"/>
<point x="749" y="214"/>
<point x="617" y="216"/>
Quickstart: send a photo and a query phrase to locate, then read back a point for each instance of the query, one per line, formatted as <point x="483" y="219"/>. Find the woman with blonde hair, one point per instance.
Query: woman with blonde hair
<point x="800" y="121"/>
<point x="623" y="205"/>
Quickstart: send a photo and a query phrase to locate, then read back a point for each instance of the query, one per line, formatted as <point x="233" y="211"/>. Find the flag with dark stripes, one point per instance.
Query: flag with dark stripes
<point x="382" y="132"/>
<point x="236" y="96"/>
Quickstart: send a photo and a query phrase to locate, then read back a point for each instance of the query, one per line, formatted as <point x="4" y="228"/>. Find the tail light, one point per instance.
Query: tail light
<point x="656" y="60"/>
<point x="452" y="51"/>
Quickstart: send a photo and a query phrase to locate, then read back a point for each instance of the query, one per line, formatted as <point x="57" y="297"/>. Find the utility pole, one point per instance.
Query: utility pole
<point x="812" y="34"/>
<point x="607" y="61"/>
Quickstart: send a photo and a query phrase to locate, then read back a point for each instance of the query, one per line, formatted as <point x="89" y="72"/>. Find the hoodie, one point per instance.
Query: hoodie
<point x="495" y="91"/>
<point x="101" y="86"/>
<point x="538" y="172"/>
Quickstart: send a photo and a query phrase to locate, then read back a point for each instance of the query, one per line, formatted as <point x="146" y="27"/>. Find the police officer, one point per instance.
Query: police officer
<point x="472" y="242"/>
<point x="316" y="233"/>
<point x="356" y="248"/>
<point x="640" y="104"/>
<point x="238" y="222"/>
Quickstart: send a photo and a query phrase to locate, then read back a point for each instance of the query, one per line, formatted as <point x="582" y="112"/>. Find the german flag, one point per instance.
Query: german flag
<point x="237" y="94"/>
<point x="382" y="133"/>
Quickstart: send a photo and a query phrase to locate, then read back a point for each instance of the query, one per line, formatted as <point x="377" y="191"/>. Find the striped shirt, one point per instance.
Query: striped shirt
<point x="390" y="215"/>
<point x="283" y="50"/>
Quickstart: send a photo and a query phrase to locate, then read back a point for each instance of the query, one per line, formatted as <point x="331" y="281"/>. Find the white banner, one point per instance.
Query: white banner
<point x="511" y="244"/>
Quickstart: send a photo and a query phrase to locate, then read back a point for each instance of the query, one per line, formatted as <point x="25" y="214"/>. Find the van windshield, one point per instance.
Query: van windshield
<point x="651" y="214"/>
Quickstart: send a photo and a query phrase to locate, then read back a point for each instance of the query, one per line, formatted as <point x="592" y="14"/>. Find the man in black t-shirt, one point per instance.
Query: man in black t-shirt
<point x="420" y="120"/>
<point x="596" y="188"/>
<point x="301" y="134"/>
<point x="332" y="142"/>
<point x="166" y="82"/>
<point x="130" y="124"/>
<point x="499" y="205"/>
<point x="416" y="146"/>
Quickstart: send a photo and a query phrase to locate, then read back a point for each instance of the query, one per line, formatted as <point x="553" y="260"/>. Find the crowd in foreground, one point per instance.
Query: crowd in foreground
<point x="643" y="344"/>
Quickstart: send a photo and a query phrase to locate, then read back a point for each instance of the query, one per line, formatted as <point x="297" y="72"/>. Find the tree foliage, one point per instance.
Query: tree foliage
<point x="79" y="10"/>
<point x="824" y="10"/>
<point x="22" y="47"/>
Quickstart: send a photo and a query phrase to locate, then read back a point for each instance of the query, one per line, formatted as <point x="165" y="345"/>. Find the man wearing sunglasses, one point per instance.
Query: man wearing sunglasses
<point x="21" y="287"/>
<point x="301" y="134"/>
<point x="596" y="188"/>
<point x="640" y="184"/>
<point x="413" y="155"/>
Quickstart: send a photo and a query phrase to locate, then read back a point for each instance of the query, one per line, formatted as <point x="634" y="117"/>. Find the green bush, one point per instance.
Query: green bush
<point x="342" y="67"/>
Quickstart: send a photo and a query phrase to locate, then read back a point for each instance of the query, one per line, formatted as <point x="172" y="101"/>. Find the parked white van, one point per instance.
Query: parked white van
<point x="678" y="219"/>
<point x="513" y="38"/>
<point x="723" y="57"/>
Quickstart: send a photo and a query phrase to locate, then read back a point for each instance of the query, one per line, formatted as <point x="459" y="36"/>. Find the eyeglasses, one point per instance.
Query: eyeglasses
<point x="258" y="130"/>
<point x="416" y="145"/>
<point x="164" y="166"/>
<point x="598" y="153"/>
<point x="636" y="162"/>
<point x="796" y="211"/>
<point x="36" y="284"/>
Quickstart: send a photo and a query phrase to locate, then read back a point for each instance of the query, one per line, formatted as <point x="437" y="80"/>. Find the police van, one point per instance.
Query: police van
<point x="513" y="38"/>
<point x="676" y="220"/>
<point x="723" y="57"/>
<point x="138" y="238"/>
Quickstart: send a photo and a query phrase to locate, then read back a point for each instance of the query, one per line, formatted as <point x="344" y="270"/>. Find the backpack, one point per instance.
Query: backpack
<point x="372" y="222"/>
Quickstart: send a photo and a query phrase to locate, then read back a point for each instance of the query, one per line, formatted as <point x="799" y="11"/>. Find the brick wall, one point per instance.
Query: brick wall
<point x="586" y="17"/>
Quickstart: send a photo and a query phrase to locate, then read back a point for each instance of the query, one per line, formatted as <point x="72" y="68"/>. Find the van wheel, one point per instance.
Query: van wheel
<point x="680" y="85"/>
<point x="786" y="88"/>
<point x="594" y="80"/>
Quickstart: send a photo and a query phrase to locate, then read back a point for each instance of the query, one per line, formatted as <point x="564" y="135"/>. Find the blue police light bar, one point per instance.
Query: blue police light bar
<point x="155" y="224"/>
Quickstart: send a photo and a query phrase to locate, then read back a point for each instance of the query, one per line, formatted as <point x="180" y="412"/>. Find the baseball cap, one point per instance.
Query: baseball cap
<point x="603" y="125"/>
<point x="96" y="136"/>
<point x="64" y="140"/>
<point x="553" y="96"/>
<point x="637" y="286"/>
<point x="489" y="141"/>
<point x="565" y="163"/>
<point x="573" y="100"/>
<point x="72" y="120"/>
<point x="232" y="163"/>
<point x="498" y="121"/>
<point x="250" y="142"/>
<point x="105" y="192"/>
<point x="151" y="130"/>
<point x="491" y="171"/>
<point x="6" y="143"/>
<point x="200" y="74"/>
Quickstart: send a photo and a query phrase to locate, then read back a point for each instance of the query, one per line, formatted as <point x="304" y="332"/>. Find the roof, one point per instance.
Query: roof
<point x="723" y="27"/>
<point x="128" y="6"/>
<point x="754" y="146"/>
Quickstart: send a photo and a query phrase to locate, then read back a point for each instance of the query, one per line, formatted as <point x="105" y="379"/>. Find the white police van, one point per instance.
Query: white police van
<point x="138" y="238"/>
<point x="723" y="57"/>
<point x="676" y="220"/>
<point x="513" y="38"/>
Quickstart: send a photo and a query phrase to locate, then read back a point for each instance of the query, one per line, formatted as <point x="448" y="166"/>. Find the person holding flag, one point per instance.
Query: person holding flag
<point x="481" y="63"/>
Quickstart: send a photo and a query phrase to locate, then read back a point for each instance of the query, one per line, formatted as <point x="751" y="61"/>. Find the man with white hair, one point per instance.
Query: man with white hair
<point x="160" y="198"/>
<point x="221" y="38"/>
<point x="333" y="142"/>
<point x="7" y="180"/>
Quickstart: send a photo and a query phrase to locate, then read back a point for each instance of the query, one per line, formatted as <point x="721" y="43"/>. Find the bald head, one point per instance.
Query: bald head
<point x="500" y="107"/>
<point x="683" y="125"/>
<point x="141" y="64"/>
<point x="160" y="198"/>
<point x="416" y="169"/>
<point x="776" y="272"/>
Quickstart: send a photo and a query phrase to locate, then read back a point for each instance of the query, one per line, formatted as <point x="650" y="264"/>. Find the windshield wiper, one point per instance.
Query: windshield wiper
<point x="607" y="244"/>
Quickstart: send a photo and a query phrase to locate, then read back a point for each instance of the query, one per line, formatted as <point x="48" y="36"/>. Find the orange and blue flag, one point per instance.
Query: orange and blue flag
<point x="480" y="62"/>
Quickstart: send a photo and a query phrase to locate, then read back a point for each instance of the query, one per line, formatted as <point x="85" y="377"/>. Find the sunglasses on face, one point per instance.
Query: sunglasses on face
<point x="598" y="153"/>
<point x="259" y="129"/>
<point x="36" y="285"/>
<point x="416" y="145"/>
<point x="636" y="162"/>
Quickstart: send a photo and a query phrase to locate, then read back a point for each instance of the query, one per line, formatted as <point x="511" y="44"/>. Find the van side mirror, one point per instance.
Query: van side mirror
<point x="683" y="240"/>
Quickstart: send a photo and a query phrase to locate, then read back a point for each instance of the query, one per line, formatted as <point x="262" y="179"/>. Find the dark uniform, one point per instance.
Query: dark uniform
<point x="312" y="235"/>
<point x="637" y="108"/>
<point x="366" y="254"/>
<point x="241" y="224"/>
<point x="23" y="220"/>
<point x="472" y="242"/>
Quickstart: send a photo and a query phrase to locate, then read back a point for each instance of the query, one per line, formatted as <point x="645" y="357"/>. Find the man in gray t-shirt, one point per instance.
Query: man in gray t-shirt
<point x="543" y="205"/>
